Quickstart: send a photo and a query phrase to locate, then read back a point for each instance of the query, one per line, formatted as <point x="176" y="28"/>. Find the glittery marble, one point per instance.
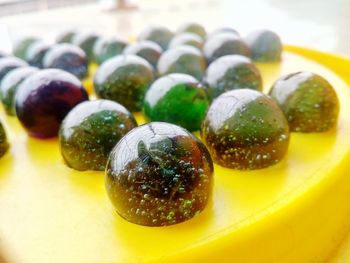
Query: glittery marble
<point x="159" y="174"/>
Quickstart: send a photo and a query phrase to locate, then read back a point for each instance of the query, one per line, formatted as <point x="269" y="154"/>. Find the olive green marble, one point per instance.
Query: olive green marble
<point x="232" y="72"/>
<point x="4" y="145"/>
<point x="192" y="27"/>
<point x="124" y="79"/>
<point x="245" y="129"/>
<point x="158" y="34"/>
<point x="309" y="101"/>
<point x="90" y="131"/>
<point x="265" y="46"/>
<point x="182" y="59"/>
<point x="178" y="99"/>
<point x="9" y="86"/>
<point x="159" y="174"/>
<point x="106" y="48"/>
<point x="21" y="47"/>
<point x="190" y="39"/>
<point x="86" y="41"/>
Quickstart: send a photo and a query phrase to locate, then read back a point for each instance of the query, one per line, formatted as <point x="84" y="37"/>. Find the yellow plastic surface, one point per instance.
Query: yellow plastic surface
<point x="294" y="212"/>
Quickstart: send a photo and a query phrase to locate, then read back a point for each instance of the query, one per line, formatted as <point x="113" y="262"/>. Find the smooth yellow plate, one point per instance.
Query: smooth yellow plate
<point x="294" y="212"/>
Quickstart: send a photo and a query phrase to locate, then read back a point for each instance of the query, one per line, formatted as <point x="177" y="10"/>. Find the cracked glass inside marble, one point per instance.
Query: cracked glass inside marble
<point x="159" y="174"/>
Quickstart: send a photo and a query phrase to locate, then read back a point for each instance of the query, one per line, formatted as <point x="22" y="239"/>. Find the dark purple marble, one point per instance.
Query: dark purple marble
<point x="45" y="98"/>
<point x="67" y="57"/>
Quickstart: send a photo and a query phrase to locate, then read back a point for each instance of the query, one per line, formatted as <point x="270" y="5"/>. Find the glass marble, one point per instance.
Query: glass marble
<point x="182" y="59"/>
<point x="4" y="145"/>
<point x="45" y="98"/>
<point x="69" y="58"/>
<point x="90" y="131"/>
<point x="10" y="84"/>
<point x="265" y="46"/>
<point x="222" y="44"/>
<point x="21" y="46"/>
<point x="245" y="129"/>
<point x="158" y="34"/>
<point x="9" y="63"/>
<point x="192" y="27"/>
<point x="190" y="39"/>
<point x="232" y="72"/>
<point x="177" y="98"/>
<point x="308" y="101"/>
<point x="148" y="50"/>
<point x="124" y="79"/>
<point x="86" y="41"/>
<point x="66" y="36"/>
<point x="220" y="30"/>
<point x="159" y="174"/>
<point x="106" y="48"/>
<point x="36" y="53"/>
<point x="2" y="54"/>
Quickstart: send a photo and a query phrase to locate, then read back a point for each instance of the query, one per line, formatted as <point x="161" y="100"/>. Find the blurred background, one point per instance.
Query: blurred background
<point x="318" y="24"/>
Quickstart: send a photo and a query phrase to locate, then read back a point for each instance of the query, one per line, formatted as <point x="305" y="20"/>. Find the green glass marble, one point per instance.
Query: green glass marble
<point x="9" y="63"/>
<point x="159" y="174"/>
<point x="4" y="145"/>
<point x="245" y="129"/>
<point x="90" y="131"/>
<point x="124" y="79"/>
<point x="148" y="50"/>
<point x="265" y="46"/>
<point x="157" y="34"/>
<point x="86" y="42"/>
<point x="192" y="27"/>
<point x="178" y="99"/>
<point x="9" y="86"/>
<point x="182" y="59"/>
<point x="232" y="72"/>
<point x="106" y="48"/>
<point x="21" y="47"/>
<point x="220" y="30"/>
<point x="66" y="36"/>
<point x="222" y="44"/>
<point x="308" y="100"/>
<point x="190" y="39"/>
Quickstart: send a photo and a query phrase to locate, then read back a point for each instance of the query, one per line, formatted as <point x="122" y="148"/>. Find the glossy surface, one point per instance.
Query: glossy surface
<point x="159" y="174"/>
<point x="285" y="212"/>
<point x="148" y="50"/>
<point x="192" y="28"/>
<point x="69" y="58"/>
<point x="222" y="44"/>
<point x="308" y="100"/>
<point x="177" y="98"/>
<point x="232" y="72"/>
<point x="10" y="84"/>
<point x="90" y="131"/>
<point x="45" y="98"/>
<point x="21" y="46"/>
<point x="4" y="145"/>
<point x="124" y="79"/>
<point x="190" y="39"/>
<point x="158" y="34"/>
<point x="86" y="42"/>
<point x="66" y="36"/>
<point x="9" y="63"/>
<point x="265" y="46"/>
<point x="245" y="129"/>
<point x="36" y="53"/>
<point x="220" y="30"/>
<point x="183" y="59"/>
<point x="106" y="48"/>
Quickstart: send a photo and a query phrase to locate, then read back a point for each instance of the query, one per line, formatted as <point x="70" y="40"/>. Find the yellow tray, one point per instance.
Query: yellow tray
<point x="294" y="212"/>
